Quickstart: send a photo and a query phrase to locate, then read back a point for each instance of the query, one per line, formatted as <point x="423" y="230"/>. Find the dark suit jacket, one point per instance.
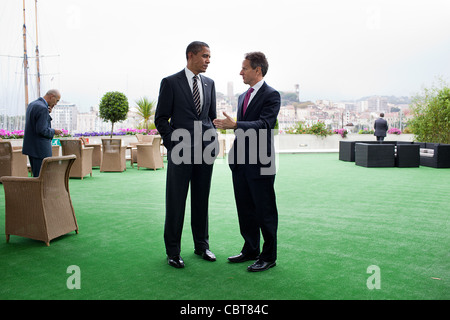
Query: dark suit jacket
<point x="261" y="113"/>
<point x="381" y="127"/>
<point x="37" y="140"/>
<point x="176" y="109"/>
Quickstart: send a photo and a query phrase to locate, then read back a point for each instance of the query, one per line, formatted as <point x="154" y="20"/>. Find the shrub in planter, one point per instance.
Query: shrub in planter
<point x="394" y="131"/>
<point x="113" y="107"/>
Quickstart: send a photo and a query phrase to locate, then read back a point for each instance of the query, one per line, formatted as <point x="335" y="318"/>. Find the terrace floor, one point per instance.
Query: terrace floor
<point x="336" y="220"/>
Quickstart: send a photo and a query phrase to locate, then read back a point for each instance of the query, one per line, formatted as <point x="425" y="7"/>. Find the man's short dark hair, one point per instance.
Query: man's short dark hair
<point x="258" y="59"/>
<point x="382" y="114"/>
<point x="195" y="47"/>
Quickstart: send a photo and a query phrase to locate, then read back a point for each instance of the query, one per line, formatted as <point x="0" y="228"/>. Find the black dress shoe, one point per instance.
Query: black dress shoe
<point x="242" y="258"/>
<point x="261" y="265"/>
<point x="206" y="254"/>
<point x="175" y="261"/>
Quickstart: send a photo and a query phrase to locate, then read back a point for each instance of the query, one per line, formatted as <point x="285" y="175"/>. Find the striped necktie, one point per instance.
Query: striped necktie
<point x="196" y="95"/>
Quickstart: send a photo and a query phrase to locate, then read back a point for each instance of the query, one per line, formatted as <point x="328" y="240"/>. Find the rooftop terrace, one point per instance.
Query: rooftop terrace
<point x="335" y="220"/>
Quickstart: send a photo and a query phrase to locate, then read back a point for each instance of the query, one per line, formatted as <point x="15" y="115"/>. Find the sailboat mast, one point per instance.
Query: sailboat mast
<point x="38" y="74"/>
<point x="25" y="58"/>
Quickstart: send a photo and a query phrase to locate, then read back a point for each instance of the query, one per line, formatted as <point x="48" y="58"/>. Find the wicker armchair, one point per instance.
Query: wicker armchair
<point x="12" y="161"/>
<point x="113" y="156"/>
<point x="149" y="154"/>
<point x="83" y="164"/>
<point x="141" y="139"/>
<point x="40" y="208"/>
<point x="56" y="151"/>
<point x="96" y="153"/>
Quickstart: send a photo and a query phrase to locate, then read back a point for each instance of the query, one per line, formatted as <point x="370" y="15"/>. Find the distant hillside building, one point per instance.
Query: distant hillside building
<point x="64" y="116"/>
<point x="377" y="104"/>
<point x="90" y="122"/>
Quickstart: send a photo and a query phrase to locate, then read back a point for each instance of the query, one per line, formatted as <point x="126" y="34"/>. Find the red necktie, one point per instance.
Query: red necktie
<point x="247" y="97"/>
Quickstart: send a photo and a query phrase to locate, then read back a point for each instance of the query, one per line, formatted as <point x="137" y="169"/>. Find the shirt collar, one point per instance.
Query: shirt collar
<point x="258" y="86"/>
<point x="190" y="74"/>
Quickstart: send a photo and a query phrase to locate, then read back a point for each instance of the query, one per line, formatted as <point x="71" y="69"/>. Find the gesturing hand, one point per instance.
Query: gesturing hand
<point x="227" y="123"/>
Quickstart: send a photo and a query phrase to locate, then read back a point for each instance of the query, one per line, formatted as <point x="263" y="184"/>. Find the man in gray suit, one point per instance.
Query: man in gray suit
<point x="381" y="127"/>
<point x="184" y="113"/>
<point x="37" y="140"/>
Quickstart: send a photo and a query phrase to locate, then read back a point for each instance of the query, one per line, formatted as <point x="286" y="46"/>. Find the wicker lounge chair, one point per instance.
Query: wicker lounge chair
<point x="40" y="208"/>
<point x="12" y="161"/>
<point x="83" y="164"/>
<point x="149" y="154"/>
<point x="141" y="139"/>
<point x="113" y="155"/>
<point x="96" y="153"/>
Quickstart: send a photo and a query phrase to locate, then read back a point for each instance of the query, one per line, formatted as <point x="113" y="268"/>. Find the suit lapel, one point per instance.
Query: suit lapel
<point x="206" y="94"/>
<point x="188" y="93"/>
<point x="184" y="85"/>
<point x="240" y="105"/>
<point x="251" y="106"/>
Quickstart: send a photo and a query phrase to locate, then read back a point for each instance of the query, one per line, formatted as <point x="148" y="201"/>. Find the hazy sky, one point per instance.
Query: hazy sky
<point x="334" y="49"/>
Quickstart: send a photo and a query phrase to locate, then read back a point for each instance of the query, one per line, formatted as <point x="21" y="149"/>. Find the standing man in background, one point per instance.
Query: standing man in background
<point x="37" y="140"/>
<point x="187" y="104"/>
<point x="253" y="184"/>
<point x="381" y="127"/>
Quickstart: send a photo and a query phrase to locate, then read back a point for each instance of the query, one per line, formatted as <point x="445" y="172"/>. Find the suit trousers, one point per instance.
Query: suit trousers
<point x="257" y="213"/>
<point x="35" y="164"/>
<point x="179" y="178"/>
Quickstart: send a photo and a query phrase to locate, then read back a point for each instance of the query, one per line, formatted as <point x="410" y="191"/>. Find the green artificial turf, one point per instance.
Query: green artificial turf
<point x="335" y="220"/>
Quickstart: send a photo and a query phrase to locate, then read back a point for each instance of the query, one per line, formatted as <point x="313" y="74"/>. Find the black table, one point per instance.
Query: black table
<point x="375" y="155"/>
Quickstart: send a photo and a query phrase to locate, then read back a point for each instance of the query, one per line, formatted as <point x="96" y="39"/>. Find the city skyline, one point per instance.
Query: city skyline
<point x="334" y="50"/>
<point x="336" y="115"/>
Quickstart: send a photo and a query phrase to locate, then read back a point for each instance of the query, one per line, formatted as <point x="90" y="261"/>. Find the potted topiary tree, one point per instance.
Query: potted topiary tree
<point x="113" y="107"/>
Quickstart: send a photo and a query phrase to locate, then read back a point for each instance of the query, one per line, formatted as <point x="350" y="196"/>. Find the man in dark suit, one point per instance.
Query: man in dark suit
<point x="252" y="165"/>
<point x="37" y="139"/>
<point x="381" y="127"/>
<point x="184" y="114"/>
